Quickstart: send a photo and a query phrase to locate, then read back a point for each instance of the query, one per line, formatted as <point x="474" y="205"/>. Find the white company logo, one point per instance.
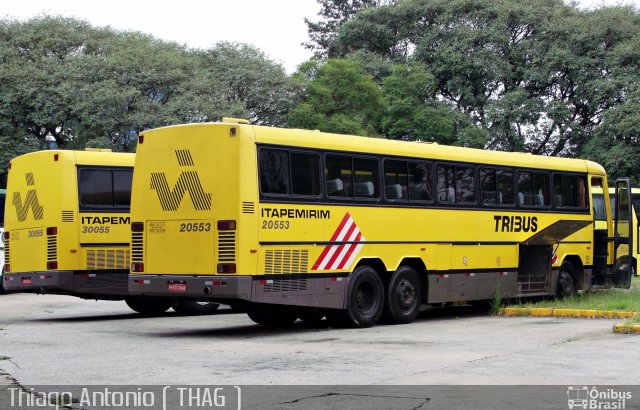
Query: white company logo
<point x="581" y="397"/>
<point x="342" y="255"/>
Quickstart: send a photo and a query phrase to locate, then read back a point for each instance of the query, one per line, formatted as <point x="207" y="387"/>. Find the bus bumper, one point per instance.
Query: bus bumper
<point x="38" y="282"/>
<point x="209" y="287"/>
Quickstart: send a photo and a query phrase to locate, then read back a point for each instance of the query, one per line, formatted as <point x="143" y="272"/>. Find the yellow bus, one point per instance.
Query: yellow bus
<point x="68" y="227"/>
<point x="600" y="218"/>
<point x="3" y="194"/>
<point x="303" y="224"/>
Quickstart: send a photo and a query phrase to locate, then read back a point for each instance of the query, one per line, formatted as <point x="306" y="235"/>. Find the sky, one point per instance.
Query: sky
<point x="275" y="26"/>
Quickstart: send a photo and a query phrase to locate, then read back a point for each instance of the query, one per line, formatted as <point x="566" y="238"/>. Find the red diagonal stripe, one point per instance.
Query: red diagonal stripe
<point x="352" y="247"/>
<point x="326" y="249"/>
<point x="335" y="255"/>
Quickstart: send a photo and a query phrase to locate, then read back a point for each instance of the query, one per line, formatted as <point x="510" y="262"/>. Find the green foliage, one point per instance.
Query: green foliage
<point x="533" y="76"/>
<point x="67" y="84"/>
<point x="338" y="98"/>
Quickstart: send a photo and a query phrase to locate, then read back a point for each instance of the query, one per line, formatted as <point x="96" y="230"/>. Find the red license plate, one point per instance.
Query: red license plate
<point x="177" y="287"/>
<point x="26" y="281"/>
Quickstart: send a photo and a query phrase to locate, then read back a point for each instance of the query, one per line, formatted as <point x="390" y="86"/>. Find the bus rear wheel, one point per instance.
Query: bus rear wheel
<point x="149" y="306"/>
<point x="272" y="315"/>
<point x="566" y="286"/>
<point x="403" y="296"/>
<point x="193" y="307"/>
<point x="365" y="300"/>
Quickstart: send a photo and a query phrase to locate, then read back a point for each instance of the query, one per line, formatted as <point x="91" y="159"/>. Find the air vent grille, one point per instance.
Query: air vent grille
<point x="107" y="259"/>
<point x="283" y="261"/>
<point x="286" y="285"/>
<point x="52" y="248"/>
<point x="248" y="207"/>
<point x="67" y="216"/>
<point x="137" y="247"/>
<point x="226" y="246"/>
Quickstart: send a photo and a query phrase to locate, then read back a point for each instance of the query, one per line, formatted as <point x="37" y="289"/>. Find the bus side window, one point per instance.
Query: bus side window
<point x="445" y="184"/>
<point x="420" y="185"/>
<point x="396" y="180"/>
<point x="274" y="171"/>
<point x="365" y="176"/>
<point x="338" y="176"/>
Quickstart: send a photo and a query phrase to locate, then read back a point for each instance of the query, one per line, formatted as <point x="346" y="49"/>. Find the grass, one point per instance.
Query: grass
<point x="611" y="299"/>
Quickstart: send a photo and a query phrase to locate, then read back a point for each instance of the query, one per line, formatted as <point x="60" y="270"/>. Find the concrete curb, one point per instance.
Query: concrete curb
<point x="624" y="328"/>
<point x="551" y="312"/>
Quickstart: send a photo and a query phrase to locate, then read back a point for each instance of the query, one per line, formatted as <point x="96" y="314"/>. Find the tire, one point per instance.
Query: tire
<point x="365" y="300"/>
<point x="566" y="286"/>
<point x="149" y="306"/>
<point x="272" y="315"/>
<point x="403" y="296"/>
<point x="192" y="307"/>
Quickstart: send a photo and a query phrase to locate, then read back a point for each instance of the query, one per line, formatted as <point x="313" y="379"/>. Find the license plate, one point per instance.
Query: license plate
<point x="177" y="287"/>
<point x="26" y="281"/>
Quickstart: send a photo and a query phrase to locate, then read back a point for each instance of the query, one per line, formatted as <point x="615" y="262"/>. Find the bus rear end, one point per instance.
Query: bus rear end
<point x="186" y="212"/>
<point x="67" y="223"/>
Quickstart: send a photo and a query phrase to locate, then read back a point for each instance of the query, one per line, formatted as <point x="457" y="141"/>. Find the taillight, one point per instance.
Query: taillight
<point x="226" y="268"/>
<point x="5" y="235"/>
<point x="52" y="230"/>
<point x="226" y="225"/>
<point x="137" y="227"/>
<point x="137" y="267"/>
<point x="140" y="138"/>
<point x="7" y="268"/>
<point x="52" y="265"/>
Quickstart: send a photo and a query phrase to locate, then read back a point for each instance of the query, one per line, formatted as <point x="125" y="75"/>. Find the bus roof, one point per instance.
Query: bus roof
<point x="95" y="158"/>
<point x="317" y="139"/>
<point x="350" y="143"/>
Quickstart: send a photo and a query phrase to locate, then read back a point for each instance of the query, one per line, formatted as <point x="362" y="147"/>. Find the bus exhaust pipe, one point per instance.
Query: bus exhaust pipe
<point x="208" y="290"/>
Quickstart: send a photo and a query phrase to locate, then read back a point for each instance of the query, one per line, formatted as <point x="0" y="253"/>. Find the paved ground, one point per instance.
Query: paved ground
<point x="59" y="340"/>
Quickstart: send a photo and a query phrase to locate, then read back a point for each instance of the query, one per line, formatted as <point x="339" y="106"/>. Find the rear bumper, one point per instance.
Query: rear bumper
<point x="39" y="282"/>
<point x="208" y="287"/>
<point x="87" y="284"/>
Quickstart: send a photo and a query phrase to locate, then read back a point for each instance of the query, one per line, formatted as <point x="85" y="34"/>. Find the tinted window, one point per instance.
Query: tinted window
<point x="533" y="188"/>
<point x="599" y="211"/>
<point x="420" y="185"/>
<point x="274" y="172"/>
<point x="396" y="180"/>
<point x="102" y="188"/>
<point x="365" y="182"/>
<point x="305" y="174"/>
<point x="2" y="199"/>
<point x="455" y="184"/>
<point x="338" y="175"/>
<point x="569" y="191"/>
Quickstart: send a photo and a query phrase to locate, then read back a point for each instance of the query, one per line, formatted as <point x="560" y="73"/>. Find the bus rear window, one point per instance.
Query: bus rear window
<point x="104" y="188"/>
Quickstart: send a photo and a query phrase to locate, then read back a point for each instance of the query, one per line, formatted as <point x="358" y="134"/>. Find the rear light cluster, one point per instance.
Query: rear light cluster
<point x="5" y="236"/>
<point x="137" y="267"/>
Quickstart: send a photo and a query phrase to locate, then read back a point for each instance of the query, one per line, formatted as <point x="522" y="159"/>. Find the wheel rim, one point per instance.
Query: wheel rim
<point x="366" y="298"/>
<point x="566" y="284"/>
<point x="406" y="295"/>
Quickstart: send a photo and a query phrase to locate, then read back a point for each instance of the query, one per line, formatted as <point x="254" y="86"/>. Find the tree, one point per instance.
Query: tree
<point x="537" y="76"/>
<point x="337" y="97"/>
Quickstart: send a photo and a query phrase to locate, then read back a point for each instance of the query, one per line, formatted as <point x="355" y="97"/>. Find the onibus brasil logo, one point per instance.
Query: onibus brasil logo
<point x="188" y="181"/>
<point x="30" y="202"/>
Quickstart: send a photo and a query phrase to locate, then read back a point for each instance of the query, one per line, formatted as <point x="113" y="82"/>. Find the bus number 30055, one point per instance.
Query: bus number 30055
<point x="195" y="227"/>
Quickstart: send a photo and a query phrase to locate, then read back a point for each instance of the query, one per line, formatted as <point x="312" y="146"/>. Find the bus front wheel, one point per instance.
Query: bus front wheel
<point x="566" y="286"/>
<point x="403" y="300"/>
<point x="149" y="306"/>
<point x="365" y="300"/>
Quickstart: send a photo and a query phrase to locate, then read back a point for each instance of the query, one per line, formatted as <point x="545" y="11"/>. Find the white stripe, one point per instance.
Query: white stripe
<point x="333" y="249"/>
<point x="354" y="254"/>
<point x="345" y="249"/>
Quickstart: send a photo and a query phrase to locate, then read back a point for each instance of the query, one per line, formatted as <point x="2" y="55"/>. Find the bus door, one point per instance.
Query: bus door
<point x="623" y="235"/>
